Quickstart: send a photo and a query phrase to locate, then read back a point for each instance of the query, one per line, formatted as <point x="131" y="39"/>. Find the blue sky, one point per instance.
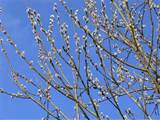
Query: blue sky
<point x="15" y="20"/>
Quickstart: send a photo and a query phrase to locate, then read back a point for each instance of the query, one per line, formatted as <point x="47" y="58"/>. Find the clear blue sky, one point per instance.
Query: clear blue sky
<point x="15" y="19"/>
<point x="16" y="22"/>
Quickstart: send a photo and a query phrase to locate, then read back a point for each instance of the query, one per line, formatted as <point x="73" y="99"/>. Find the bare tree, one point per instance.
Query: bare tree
<point x="110" y="52"/>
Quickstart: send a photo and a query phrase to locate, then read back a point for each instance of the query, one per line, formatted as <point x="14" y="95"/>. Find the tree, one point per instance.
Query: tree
<point x="110" y="52"/>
